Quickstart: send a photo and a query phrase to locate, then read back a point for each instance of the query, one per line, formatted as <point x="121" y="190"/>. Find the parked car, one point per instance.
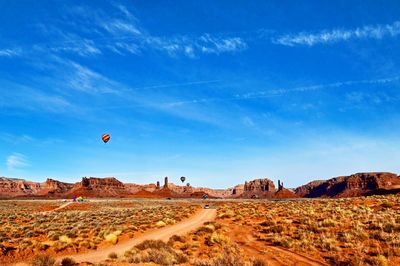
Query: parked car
<point x="206" y="206"/>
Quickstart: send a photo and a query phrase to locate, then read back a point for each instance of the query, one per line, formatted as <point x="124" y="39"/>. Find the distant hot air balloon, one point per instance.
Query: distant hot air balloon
<point x="188" y="184"/>
<point x="105" y="137"/>
<point x="183" y="179"/>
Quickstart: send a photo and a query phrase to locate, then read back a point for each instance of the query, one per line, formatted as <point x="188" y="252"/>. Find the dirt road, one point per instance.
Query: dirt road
<point x="164" y="234"/>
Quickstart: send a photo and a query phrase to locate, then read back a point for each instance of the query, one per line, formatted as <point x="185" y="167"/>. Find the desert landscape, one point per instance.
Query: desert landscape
<point x="351" y="220"/>
<point x="199" y="133"/>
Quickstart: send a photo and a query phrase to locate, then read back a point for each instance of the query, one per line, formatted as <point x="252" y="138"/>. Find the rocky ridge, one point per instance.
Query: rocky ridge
<point x="359" y="184"/>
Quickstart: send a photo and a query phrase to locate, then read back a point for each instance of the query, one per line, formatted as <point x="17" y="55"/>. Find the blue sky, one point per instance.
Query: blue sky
<point x="218" y="91"/>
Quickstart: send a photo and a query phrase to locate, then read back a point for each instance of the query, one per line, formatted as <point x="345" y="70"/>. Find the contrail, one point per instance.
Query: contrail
<point x="177" y="84"/>
<point x="280" y="92"/>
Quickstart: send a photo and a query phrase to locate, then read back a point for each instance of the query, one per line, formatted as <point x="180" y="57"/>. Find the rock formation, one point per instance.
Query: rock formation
<point x="166" y="182"/>
<point x="305" y="190"/>
<point x="344" y="186"/>
<point x="238" y="190"/>
<point x="280" y="185"/>
<point x="349" y="186"/>
<point x="54" y="188"/>
<point x="259" y="188"/>
<point x="99" y="187"/>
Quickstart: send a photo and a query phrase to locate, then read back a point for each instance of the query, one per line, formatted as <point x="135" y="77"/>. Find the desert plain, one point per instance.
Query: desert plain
<point x="343" y="231"/>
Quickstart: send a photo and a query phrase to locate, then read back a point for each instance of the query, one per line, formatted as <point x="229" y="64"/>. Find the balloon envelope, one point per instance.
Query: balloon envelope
<point x="105" y="137"/>
<point x="183" y="179"/>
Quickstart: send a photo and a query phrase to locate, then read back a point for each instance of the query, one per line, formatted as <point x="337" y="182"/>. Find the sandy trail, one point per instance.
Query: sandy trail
<point x="164" y="234"/>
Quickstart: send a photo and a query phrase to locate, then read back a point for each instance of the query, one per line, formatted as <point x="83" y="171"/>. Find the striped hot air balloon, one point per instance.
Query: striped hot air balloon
<point x="105" y="137"/>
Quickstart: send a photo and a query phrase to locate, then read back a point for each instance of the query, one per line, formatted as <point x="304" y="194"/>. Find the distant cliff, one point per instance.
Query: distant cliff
<point x="359" y="184"/>
<point x="344" y="186"/>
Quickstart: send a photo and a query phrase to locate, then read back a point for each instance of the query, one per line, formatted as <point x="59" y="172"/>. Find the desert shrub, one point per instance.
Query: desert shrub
<point x="53" y="235"/>
<point x="389" y="227"/>
<point x="44" y="245"/>
<point x="345" y="237"/>
<point x="113" y="255"/>
<point x="84" y="244"/>
<point x="211" y="227"/>
<point x="258" y="262"/>
<point x="155" y="251"/>
<point x="43" y="260"/>
<point x="156" y="244"/>
<point x="176" y="238"/>
<point x="267" y="223"/>
<point x="217" y="238"/>
<point x="227" y="214"/>
<point x="204" y="229"/>
<point x="131" y="252"/>
<point x="282" y="241"/>
<point x="380" y="260"/>
<point x="328" y="223"/>
<point x="328" y="244"/>
<point x="229" y="257"/>
<point x="378" y="235"/>
<point x="65" y="239"/>
<point x="387" y="204"/>
<point x="273" y="229"/>
<point x="161" y="224"/>
<point x="162" y="257"/>
<point x="112" y="238"/>
<point x="68" y="262"/>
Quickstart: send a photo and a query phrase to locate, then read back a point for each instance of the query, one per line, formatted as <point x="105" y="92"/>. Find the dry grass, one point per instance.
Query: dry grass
<point x="25" y="231"/>
<point x="43" y="260"/>
<point x="155" y="251"/>
<point x="362" y="230"/>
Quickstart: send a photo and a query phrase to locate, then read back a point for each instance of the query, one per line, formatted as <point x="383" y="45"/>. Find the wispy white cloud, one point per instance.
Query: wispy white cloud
<point x="10" y="52"/>
<point x="123" y="48"/>
<point x="81" y="78"/>
<point x="81" y="47"/>
<point x="120" y="32"/>
<point x="65" y="76"/>
<point x="15" y="139"/>
<point x="23" y="139"/>
<point x="119" y="26"/>
<point x="124" y="10"/>
<point x="248" y="122"/>
<point x="192" y="46"/>
<point x="215" y="45"/>
<point x="28" y="98"/>
<point x="337" y="35"/>
<point x="16" y="161"/>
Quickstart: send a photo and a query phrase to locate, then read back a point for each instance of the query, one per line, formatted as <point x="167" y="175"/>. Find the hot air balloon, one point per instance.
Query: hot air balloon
<point x="183" y="179"/>
<point x="188" y="184"/>
<point x="105" y="137"/>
